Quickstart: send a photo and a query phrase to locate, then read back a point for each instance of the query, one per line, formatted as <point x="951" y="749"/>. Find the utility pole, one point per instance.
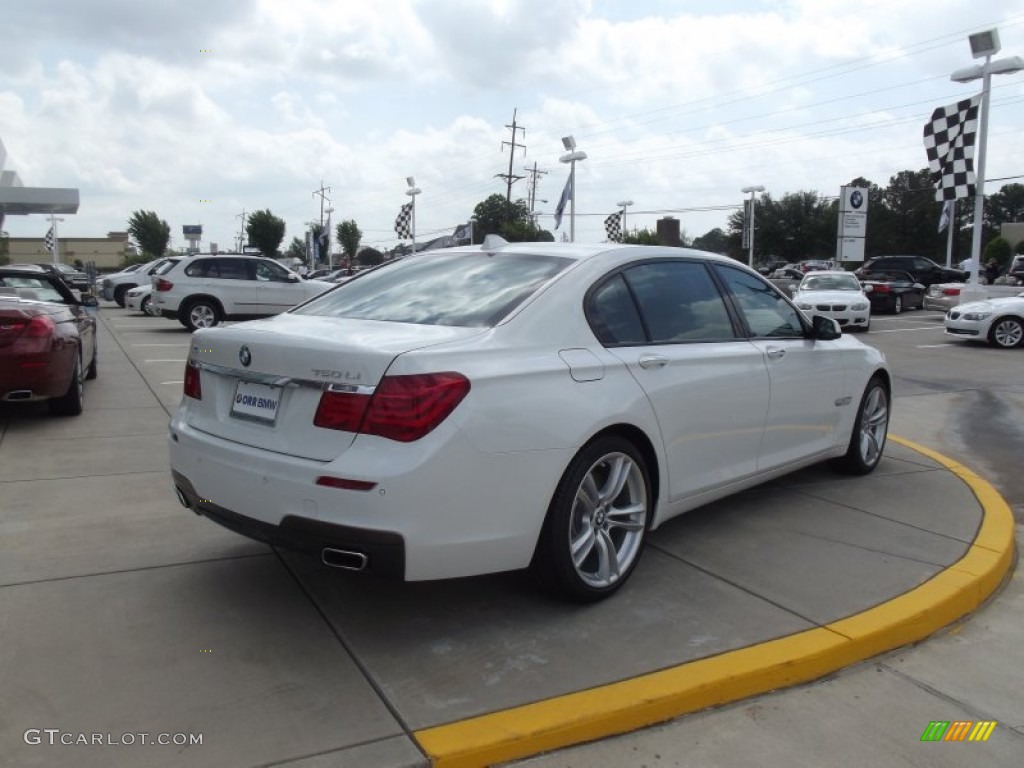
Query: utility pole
<point x="322" y="197"/>
<point x="241" y="230"/>
<point x="531" y="199"/>
<point x="508" y="177"/>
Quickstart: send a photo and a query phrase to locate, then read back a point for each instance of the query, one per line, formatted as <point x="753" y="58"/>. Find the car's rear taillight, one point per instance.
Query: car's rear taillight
<point x="41" y="326"/>
<point x="341" y="409"/>
<point x="880" y="288"/>
<point x="163" y="285"/>
<point x="403" y="408"/>
<point x="950" y="291"/>
<point x="193" y="385"/>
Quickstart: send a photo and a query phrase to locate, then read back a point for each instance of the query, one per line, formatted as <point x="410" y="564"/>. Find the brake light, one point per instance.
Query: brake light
<point x="193" y="384"/>
<point x="163" y="285"/>
<point x="950" y="291"/>
<point x="403" y="408"/>
<point x="339" y="409"/>
<point x="880" y="288"/>
<point x="41" y="326"/>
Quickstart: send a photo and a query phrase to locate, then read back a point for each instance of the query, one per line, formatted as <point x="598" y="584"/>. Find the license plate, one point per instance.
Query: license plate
<point x="256" y="401"/>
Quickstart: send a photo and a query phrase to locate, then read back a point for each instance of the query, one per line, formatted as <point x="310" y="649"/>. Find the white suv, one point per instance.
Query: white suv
<point x="202" y="291"/>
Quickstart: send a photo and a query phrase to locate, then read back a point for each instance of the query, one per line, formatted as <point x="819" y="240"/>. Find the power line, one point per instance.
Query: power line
<point x="509" y="178"/>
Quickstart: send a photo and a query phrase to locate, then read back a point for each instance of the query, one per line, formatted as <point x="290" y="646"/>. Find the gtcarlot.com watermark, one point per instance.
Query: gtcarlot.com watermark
<point x="56" y="737"/>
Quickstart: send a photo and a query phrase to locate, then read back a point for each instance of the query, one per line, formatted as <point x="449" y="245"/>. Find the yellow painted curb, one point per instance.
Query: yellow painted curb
<point x="641" y="701"/>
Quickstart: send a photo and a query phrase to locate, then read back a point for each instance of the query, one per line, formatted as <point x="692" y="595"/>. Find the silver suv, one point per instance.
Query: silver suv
<point x="202" y="291"/>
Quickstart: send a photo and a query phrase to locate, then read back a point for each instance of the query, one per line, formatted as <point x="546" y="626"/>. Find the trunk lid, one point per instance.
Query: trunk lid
<point x="271" y="403"/>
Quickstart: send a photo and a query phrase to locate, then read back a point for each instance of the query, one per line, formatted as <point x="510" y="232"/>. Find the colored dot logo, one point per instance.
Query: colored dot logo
<point x="206" y="650"/>
<point x="205" y="200"/>
<point x="206" y="50"/>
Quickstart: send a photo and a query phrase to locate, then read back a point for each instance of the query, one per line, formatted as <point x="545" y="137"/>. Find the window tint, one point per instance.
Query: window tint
<point x="679" y="302"/>
<point x="767" y="313"/>
<point x="197" y="268"/>
<point x="612" y="314"/>
<point x="465" y="289"/>
<point x="271" y="271"/>
<point x="167" y="266"/>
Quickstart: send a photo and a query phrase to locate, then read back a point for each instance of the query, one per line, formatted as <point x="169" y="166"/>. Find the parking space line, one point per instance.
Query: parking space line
<point x="936" y="346"/>
<point x="176" y="383"/>
<point x="919" y="328"/>
<point x="166" y="360"/>
<point x="167" y="344"/>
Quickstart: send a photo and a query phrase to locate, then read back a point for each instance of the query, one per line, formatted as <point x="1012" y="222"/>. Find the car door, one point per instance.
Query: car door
<point x="231" y="280"/>
<point x="807" y="376"/>
<point x="668" y="323"/>
<point x="277" y="290"/>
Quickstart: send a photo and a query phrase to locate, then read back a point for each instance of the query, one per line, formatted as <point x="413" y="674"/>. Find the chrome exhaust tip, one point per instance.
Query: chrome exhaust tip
<point x="181" y="498"/>
<point x="344" y="559"/>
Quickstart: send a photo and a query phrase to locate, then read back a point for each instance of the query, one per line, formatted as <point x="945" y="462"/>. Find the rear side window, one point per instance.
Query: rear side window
<point x="662" y="302"/>
<point x="224" y="269"/>
<point x="474" y="289"/>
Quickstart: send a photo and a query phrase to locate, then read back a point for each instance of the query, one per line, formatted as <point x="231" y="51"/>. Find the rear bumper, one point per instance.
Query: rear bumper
<point x="384" y="550"/>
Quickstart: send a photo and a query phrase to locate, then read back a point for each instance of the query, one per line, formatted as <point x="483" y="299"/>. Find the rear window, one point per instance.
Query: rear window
<point x="461" y="289"/>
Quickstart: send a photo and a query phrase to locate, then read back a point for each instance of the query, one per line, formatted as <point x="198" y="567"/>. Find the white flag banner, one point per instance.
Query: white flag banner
<point x="947" y="214"/>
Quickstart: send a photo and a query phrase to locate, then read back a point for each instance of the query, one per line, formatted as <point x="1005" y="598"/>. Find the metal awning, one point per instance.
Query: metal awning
<point x="21" y="201"/>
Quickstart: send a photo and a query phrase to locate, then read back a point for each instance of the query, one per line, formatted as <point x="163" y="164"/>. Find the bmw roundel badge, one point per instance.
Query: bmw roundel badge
<point x="245" y="356"/>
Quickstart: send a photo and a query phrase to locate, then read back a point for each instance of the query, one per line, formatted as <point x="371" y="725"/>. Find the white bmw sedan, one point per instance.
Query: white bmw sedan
<point x="999" y="321"/>
<point x="835" y="294"/>
<point x="539" y="405"/>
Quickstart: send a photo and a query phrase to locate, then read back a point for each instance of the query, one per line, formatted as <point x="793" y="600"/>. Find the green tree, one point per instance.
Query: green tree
<point x="370" y="257"/>
<point x="1005" y="206"/>
<point x="641" y="237"/>
<point x="715" y="241"/>
<point x="296" y="249"/>
<point x="150" y="232"/>
<point x="349" y="237"/>
<point x="265" y="231"/>
<point x="4" y="246"/>
<point x="999" y="249"/>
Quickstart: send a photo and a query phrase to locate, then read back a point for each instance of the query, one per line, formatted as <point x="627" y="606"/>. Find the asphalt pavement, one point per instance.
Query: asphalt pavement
<point x="123" y="614"/>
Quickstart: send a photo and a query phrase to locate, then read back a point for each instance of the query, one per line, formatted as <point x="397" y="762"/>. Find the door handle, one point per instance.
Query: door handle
<point x="653" y="361"/>
<point x="775" y="353"/>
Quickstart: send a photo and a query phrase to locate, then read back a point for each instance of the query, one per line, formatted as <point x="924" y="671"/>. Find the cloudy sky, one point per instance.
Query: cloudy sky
<point x="203" y="110"/>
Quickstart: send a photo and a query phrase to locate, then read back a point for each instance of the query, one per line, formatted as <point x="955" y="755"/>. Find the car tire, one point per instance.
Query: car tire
<point x="1006" y="332"/>
<point x="870" y="429"/>
<point x="897" y="305"/>
<point x="201" y="313"/>
<point x="70" y="403"/>
<point x="589" y="547"/>
<point x="145" y="306"/>
<point x="119" y="294"/>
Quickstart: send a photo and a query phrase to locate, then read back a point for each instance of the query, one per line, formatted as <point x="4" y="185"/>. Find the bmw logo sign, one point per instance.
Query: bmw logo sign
<point x="856" y="199"/>
<point x="245" y="356"/>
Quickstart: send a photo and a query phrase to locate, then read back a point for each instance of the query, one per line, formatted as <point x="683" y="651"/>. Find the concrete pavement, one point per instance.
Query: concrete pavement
<point x="121" y="612"/>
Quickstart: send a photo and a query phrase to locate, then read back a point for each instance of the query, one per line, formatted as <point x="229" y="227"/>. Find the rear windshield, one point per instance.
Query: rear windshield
<point x="473" y="289"/>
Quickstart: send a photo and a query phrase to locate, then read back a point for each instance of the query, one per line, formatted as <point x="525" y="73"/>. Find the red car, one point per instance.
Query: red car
<point x="47" y="340"/>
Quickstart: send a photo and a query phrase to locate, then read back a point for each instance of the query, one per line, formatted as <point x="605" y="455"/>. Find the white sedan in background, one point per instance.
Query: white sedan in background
<point x="516" y="405"/>
<point x="835" y="294"/>
<point x="1000" y="322"/>
<point x="141" y="300"/>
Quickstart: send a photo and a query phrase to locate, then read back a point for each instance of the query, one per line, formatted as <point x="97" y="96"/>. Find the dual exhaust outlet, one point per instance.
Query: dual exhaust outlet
<point x="345" y="559"/>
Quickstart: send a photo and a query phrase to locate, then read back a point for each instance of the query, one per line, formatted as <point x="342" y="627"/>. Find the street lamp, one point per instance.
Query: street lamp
<point x="983" y="45"/>
<point x="412" y="191"/>
<point x="571" y="157"/>
<point x="330" y="258"/>
<point x="624" y="204"/>
<point x="752" y="191"/>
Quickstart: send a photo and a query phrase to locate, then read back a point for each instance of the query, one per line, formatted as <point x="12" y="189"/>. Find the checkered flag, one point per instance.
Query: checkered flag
<point x="48" y="240"/>
<point x="949" y="143"/>
<point x="403" y="224"/>
<point x="613" y="227"/>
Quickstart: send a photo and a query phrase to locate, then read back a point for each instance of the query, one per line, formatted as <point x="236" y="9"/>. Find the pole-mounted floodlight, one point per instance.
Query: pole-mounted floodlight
<point x="624" y="204"/>
<point x="983" y="45"/>
<point x="752" y="191"/>
<point x="571" y="157"/>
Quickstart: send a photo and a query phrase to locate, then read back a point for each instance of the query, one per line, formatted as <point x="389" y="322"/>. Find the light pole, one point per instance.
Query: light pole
<point x="412" y="191"/>
<point x="571" y="157"/>
<point x="753" y="191"/>
<point x="624" y="204"/>
<point x="330" y="259"/>
<point x="983" y="45"/>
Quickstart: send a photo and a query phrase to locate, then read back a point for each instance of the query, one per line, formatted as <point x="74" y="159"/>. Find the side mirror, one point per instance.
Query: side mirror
<point x="293" y="278"/>
<point x="88" y="300"/>
<point x="825" y="328"/>
<point x="918" y="287"/>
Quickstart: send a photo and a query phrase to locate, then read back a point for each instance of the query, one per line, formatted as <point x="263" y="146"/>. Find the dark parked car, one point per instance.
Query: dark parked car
<point x="47" y="340"/>
<point x="76" y="278"/>
<point x="924" y="271"/>
<point x="892" y="291"/>
<point x="1016" y="270"/>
